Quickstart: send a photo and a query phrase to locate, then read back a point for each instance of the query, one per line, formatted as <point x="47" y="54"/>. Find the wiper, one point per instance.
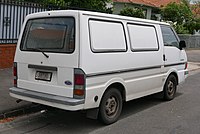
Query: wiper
<point x="40" y="50"/>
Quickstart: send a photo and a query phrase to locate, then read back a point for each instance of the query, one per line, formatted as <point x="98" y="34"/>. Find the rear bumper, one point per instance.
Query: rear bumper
<point x="47" y="99"/>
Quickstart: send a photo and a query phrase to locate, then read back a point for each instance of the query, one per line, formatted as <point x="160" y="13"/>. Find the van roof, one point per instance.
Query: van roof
<point x="98" y="14"/>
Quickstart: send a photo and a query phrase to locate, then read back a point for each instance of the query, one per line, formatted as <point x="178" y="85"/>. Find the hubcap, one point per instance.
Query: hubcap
<point x="111" y="106"/>
<point x="170" y="88"/>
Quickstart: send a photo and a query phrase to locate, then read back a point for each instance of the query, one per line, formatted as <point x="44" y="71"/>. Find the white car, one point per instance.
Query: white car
<point x="81" y="60"/>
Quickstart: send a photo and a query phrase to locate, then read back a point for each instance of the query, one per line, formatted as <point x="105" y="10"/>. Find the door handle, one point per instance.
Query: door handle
<point x="164" y="58"/>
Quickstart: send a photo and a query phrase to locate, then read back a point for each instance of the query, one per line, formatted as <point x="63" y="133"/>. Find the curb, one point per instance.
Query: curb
<point x="193" y="66"/>
<point x="21" y="111"/>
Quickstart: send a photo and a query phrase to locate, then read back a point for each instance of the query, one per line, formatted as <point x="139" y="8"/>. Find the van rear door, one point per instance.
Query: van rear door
<point x="46" y="56"/>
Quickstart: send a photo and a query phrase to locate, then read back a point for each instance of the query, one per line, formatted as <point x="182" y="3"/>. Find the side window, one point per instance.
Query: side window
<point x="143" y="37"/>
<point x="169" y="37"/>
<point x="107" y="36"/>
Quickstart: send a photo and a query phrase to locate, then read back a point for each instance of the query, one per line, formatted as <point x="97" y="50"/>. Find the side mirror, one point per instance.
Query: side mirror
<point x="182" y="44"/>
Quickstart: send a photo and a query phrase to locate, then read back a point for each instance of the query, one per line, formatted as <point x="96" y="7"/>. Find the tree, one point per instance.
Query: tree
<point x="179" y="13"/>
<point x="193" y="25"/>
<point x="98" y="5"/>
<point x="132" y="12"/>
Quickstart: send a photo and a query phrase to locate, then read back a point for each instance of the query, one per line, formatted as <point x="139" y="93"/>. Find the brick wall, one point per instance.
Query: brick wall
<point x="7" y="52"/>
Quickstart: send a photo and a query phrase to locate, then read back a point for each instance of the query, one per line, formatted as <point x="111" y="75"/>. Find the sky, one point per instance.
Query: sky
<point x="192" y="1"/>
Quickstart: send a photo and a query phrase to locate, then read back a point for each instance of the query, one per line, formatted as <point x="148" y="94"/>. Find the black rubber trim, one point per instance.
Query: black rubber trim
<point x="175" y="64"/>
<point x="42" y="67"/>
<point x="123" y="71"/>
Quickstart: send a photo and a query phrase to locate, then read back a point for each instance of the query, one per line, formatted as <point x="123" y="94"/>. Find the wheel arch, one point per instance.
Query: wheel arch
<point x="117" y="91"/>
<point x="176" y="76"/>
<point x="120" y="87"/>
<point x="94" y="113"/>
<point x="170" y="87"/>
<point x="172" y="72"/>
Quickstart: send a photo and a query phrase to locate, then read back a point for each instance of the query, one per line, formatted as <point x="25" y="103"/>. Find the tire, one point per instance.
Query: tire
<point x="170" y="88"/>
<point x="111" y="106"/>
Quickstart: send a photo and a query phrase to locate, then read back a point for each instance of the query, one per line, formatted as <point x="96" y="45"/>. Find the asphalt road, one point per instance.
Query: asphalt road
<point x="148" y="115"/>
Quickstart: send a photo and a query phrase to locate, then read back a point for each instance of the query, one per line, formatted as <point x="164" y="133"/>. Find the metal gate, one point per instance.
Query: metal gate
<point x="12" y="15"/>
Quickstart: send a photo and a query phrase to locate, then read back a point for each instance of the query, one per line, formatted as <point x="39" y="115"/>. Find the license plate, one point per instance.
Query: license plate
<point x="45" y="76"/>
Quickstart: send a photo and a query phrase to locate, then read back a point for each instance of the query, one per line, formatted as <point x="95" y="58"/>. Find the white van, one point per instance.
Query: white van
<point x="81" y="60"/>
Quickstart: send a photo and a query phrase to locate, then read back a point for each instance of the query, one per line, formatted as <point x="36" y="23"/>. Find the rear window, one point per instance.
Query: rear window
<point x="49" y="35"/>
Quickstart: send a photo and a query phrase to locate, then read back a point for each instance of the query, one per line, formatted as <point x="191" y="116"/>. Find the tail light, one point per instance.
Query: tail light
<point x="15" y="74"/>
<point x="186" y="65"/>
<point x="79" y="83"/>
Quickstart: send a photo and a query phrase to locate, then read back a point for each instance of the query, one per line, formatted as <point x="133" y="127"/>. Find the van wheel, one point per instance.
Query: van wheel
<point x="111" y="106"/>
<point x="170" y="88"/>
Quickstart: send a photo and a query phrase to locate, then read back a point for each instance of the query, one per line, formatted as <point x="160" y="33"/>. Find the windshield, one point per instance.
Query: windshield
<point x="49" y="35"/>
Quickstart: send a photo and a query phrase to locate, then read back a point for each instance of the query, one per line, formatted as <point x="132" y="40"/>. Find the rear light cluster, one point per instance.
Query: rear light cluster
<point x="79" y="84"/>
<point x="15" y="74"/>
<point x="186" y="65"/>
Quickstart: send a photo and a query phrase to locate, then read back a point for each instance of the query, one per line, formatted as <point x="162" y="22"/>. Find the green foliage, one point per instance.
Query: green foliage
<point x="98" y="5"/>
<point x="181" y="16"/>
<point x="171" y="13"/>
<point x="181" y="29"/>
<point x="193" y="25"/>
<point x="177" y="13"/>
<point x="186" y="3"/>
<point x="197" y="26"/>
<point x="55" y="2"/>
<point x="46" y="2"/>
<point x="132" y="12"/>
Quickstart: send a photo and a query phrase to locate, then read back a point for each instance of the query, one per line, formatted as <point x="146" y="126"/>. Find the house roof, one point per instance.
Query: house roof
<point x="160" y="3"/>
<point x="196" y="10"/>
<point x="139" y="2"/>
<point x="152" y="3"/>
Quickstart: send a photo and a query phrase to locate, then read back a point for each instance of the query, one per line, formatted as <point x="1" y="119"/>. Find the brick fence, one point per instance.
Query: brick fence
<point x="7" y="52"/>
